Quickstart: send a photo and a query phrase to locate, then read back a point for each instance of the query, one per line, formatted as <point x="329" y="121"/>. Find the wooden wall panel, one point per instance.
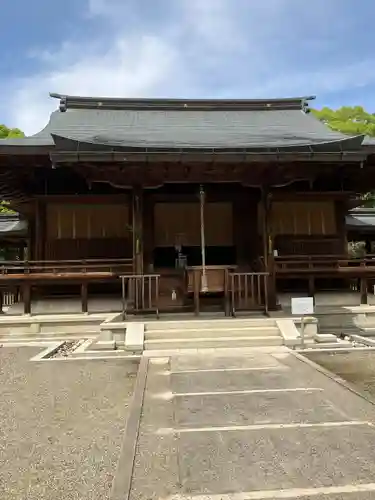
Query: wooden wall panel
<point x="179" y="223"/>
<point x="219" y="224"/>
<point x="77" y="249"/>
<point x="176" y="223"/>
<point x="74" y="221"/>
<point x="303" y="218"/>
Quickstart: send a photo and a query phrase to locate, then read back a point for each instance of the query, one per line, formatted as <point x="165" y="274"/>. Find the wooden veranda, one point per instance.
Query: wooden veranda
<point x="140" y="292"/>
<point x="358" y="274"/>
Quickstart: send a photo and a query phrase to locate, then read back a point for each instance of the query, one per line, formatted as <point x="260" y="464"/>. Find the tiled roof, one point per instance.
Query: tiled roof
<point x="361" y="219"/>
<point x="11" y="224"/>
<point x="199" y="124"/>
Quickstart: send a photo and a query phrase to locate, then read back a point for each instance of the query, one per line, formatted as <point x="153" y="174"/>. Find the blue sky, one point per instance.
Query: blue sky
<point x="183" y="48"/>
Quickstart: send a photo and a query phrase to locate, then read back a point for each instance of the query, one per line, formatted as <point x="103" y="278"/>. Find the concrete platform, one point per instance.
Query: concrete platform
<point x="113" y="304"/>
<point x="340" y="298"/>
<point x="67" y="306"/>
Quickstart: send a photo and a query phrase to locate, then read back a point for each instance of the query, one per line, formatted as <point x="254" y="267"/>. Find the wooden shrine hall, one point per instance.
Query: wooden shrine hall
<point x="185" y="204"/>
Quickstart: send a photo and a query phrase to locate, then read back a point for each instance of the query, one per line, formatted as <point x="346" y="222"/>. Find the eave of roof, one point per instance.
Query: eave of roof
<point x="34" y="144"/>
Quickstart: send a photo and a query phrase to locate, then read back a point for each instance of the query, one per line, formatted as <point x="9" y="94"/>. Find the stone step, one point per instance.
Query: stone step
<point x="212" y="342"/>
<point x="60" y="327"/>
<point x="53" y="334"/>
<point x="93" y="352"/>
<point x="238" y="332"/>
<point x="329" y="345"/>
<point x="212" y="324"/>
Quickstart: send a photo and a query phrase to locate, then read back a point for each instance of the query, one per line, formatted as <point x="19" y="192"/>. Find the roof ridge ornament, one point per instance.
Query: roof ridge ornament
<point x="63" y="104"/>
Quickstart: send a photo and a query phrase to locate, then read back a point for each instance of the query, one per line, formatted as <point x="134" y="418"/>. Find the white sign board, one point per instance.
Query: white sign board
<point x="301" y="306"/>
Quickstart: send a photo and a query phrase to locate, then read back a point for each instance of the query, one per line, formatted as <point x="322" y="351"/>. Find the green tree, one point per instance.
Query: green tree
<point x="351" y="120"/>
<point x="9" y="133"/>
<point x="4" y="208"/>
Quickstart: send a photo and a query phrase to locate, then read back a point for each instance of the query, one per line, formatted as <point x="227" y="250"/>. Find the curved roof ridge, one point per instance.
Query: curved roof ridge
<point x="79" y="102"/>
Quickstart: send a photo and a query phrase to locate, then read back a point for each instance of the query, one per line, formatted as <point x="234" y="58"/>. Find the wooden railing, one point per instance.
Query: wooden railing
<point x="321" y="265"/>
<point x="63" y="267"/>
<point x="248" y="291"/>
<point x="307" y="245"/>
<point x="11" y="297"/>
<point x="140" y="293"/>
<point x="356" y="273"/>
<point x="82" y="273"/>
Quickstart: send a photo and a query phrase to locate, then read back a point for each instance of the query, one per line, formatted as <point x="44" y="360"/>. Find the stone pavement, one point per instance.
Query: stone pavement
<point x="256" y="425"/>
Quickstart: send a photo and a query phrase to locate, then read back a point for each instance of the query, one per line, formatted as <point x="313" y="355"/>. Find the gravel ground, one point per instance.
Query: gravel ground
<point x="358" y="368"/>
<point x="62" y="425"/>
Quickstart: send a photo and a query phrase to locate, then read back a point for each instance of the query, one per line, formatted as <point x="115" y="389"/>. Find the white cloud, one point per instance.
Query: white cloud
<point x="213" y="24"/>
<point x="191" y="48"/>
<point x="130" y="67"/>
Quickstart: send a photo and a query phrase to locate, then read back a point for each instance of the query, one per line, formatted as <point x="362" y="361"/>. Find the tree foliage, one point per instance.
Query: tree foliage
<point x="348" y="120"/>
<point x="351" y="121"/>
<point x="4" y="208"/>
<point x="9" y="133"/>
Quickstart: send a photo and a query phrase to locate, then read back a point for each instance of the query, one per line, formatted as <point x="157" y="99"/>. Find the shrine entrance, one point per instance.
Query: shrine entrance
<point x="178" y="234"/>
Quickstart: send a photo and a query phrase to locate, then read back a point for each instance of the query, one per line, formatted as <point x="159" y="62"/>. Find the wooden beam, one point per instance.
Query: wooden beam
<point x="84" y="199"/>
<point x="280" y="195"/>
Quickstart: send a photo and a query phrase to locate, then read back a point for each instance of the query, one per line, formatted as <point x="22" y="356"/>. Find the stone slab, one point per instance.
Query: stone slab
<point x="134" y="337"/>
<point x="325" y="337"/>
<point x="234" y="381"/>
<point x="223" y="462"/>
<point x="247" y="409"/>
<point x="341" y="496"/>
<point x="260" y="360"/>
<point x="155" y="474"/>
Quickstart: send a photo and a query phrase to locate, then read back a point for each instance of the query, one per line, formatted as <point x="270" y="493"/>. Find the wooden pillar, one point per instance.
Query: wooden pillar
<point x="245" y="228"/>
<point x="267" y="240"/>
<point x="138" y="230"/>
<point x="368" y="248"/>
<point x="341" y="210"/>
<point x="84" y="297"/>
<point x="148" y="232"/>
<point x="26" y="296"/>
<point x="197" y="276"/>
<point x="39" y="230"/>
<point x="363" y="290"/>
<point x="340" y="216"/>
